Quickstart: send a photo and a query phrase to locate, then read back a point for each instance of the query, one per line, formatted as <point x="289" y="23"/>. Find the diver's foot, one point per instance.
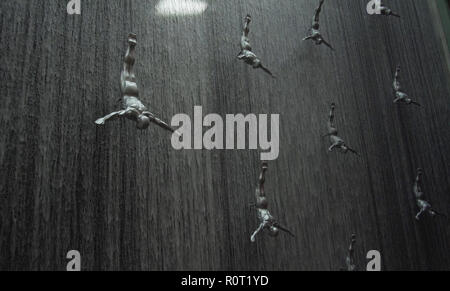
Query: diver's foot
<point x="132" y="39"/>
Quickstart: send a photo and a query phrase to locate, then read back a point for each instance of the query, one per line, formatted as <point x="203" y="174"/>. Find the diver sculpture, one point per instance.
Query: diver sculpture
<point x="400" y="96"/>
<point x="246" y="53"/>
<point x="423" y="205"/>
<point x="350" y="259"/>
<point x="336" y="141"/>
<point x="133" y="108"/>
<point x="315" y="35"/>
<point x="267" y="222"/>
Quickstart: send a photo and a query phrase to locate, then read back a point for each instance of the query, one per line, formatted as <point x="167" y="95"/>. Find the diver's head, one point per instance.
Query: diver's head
<point x="143" y="122"/>
<point x="344" y="148"/>
<point x="273" y="231"/>
<point x="257" y="63"/>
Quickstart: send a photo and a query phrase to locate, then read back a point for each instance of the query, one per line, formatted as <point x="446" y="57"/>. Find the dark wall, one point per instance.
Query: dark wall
<point x="127" y="201"/>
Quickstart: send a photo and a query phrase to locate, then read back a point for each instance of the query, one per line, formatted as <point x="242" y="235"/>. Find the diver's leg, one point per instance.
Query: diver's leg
<point x="419" y="175"/>
<point x="331" y="128"/>
<point x="396" y="84"/>
<point x="262" y="179"/>
<point x="247" y="21"/>
<point x="351" y="252"/>
<point x="245" y="42"/>
<point x="128" y="62"/>
<point x="417" y="188"/>
<point x="317" y="13"/>
<point x="245" y="45"/>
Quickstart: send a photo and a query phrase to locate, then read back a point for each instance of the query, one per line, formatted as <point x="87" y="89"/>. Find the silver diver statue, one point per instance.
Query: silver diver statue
<point x="315" y="35"/>
<point x="246" y="53"/>
<point x="424" y="206"/>
<point x="336" y="141"/>
<point x="387" y="11"/>
<point x="133" y="107"/>
<point x="264" y="216"/>
<point x="400" y="96"/>
<point x="350" y="259"/>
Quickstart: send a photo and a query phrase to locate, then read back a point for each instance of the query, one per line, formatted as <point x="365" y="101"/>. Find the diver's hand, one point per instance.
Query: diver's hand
<point x="100" y="121"/>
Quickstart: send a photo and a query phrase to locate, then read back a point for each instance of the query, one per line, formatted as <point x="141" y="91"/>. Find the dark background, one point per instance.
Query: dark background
<point x="127" y="201"/>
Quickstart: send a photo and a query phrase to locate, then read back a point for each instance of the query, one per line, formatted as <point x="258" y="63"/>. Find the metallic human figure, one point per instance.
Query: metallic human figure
<point x="246" y="53"/>
<point x="424" y="206"/>
<point x="264" y="216"/>
<point x="315" y="35"/>
<point x="336" y="141"/>
<point x="350" y="259"/>
<point x="133" y="107"/>
<point x="400" y="96"/>
<point x="386" y="11"/>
